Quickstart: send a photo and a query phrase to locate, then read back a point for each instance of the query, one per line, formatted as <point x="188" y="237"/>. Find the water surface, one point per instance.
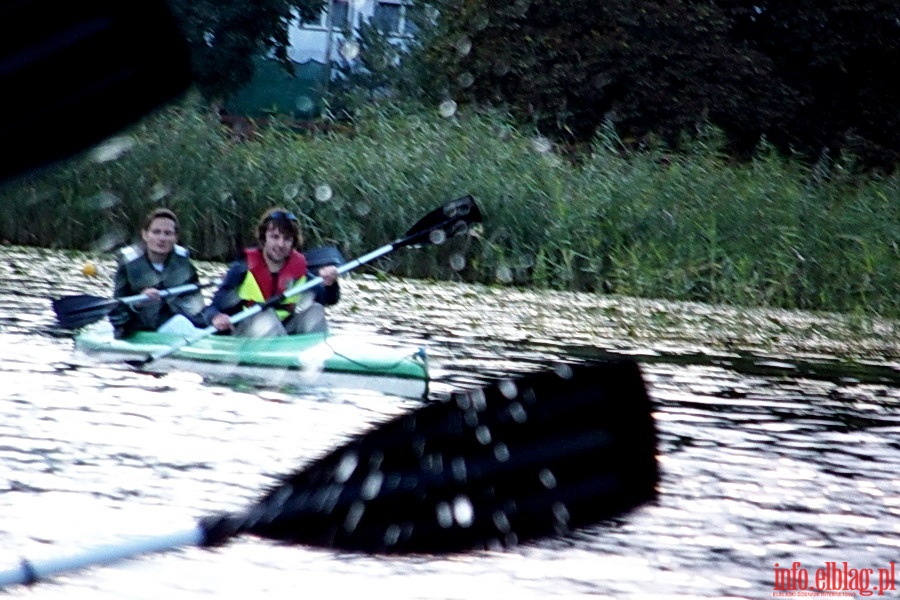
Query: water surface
<point x="778" y="444"/>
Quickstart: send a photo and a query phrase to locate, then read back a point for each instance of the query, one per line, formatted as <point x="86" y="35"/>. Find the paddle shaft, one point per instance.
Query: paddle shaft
<point x="174" y="291"/>
<point x="74" y="312"/>
<point x="273" y="301"/>
<point x="29" y="572"/>
<point x="308" y="285"/>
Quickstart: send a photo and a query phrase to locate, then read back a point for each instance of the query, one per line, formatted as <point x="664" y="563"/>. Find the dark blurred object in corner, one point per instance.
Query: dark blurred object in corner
<point x="74" y="72"/>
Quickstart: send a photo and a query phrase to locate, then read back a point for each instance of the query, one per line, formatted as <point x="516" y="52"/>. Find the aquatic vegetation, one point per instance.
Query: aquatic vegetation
<point x="694" y="226"/>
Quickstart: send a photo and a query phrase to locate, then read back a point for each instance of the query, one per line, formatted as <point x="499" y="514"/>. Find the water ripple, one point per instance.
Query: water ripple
<point x="770" y="452"/>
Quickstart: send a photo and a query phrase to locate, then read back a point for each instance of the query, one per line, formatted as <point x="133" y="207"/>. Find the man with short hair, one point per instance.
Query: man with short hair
<point x="156" y="263"/>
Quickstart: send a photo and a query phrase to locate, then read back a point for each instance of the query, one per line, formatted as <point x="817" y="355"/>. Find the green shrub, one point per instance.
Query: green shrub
<point x="688" y="226"/>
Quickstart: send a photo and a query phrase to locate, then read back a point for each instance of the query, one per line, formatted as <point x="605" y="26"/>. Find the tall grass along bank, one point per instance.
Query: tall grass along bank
<point x="692" y="225"/>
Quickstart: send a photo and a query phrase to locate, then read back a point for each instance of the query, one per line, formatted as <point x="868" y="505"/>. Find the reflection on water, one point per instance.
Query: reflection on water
<point x="763" y="461"/>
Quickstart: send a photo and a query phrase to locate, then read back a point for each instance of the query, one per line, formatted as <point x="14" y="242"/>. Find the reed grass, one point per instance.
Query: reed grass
<point x="687" y="225"/>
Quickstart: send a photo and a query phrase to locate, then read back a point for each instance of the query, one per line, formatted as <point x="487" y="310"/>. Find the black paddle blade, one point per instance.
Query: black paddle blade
<point x="452" y="219"/>
<point x="490" y="468"/>
<point x="73" y="312"/>
<point x="73" y="73"/>
<point x="325" y="255"/>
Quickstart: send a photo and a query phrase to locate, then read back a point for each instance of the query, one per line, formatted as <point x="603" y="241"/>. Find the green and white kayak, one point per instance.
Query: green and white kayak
<point x="303" y="361"/>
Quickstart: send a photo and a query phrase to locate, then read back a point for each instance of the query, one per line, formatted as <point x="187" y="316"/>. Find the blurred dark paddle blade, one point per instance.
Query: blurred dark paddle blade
<point x="73" y="312"/>
<point x="491" y="468"/>
<point x="452" y="219"/>
<point x="75" y="72"/>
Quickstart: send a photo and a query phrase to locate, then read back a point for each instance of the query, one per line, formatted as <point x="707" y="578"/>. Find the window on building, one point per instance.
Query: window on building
<point x="387" y="17"/>
<point x="409" y="25"/>
<point x="340" y="15"/>
<point x="393" y="18"/>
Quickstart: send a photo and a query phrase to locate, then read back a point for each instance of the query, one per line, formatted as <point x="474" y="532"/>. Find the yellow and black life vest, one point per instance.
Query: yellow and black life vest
<point x="260" y="284"/>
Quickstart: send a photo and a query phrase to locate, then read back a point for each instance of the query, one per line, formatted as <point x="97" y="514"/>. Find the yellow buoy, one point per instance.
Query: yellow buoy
<point x="89" y="269"/>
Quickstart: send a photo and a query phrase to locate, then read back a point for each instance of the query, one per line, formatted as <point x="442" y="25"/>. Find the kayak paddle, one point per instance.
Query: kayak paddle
<point x="451" y="219"/>
<point x="486" y="468"/>
<point x="73" y="312"/>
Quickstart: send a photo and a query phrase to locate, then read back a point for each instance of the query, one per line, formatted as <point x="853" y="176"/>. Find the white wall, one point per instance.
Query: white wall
<point x="311" y="41"/>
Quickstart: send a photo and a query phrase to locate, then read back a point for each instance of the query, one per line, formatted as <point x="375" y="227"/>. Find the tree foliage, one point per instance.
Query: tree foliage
<point x="226" y="35"/>
<point x="812" y="76"/>
<point x="363" y="76"/>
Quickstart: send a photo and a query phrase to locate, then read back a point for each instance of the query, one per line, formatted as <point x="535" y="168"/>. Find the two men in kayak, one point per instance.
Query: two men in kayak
<point x="266" y="270"/>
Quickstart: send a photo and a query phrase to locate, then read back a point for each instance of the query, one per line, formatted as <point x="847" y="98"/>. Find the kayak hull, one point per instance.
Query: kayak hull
<point x="303" y="361"/>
